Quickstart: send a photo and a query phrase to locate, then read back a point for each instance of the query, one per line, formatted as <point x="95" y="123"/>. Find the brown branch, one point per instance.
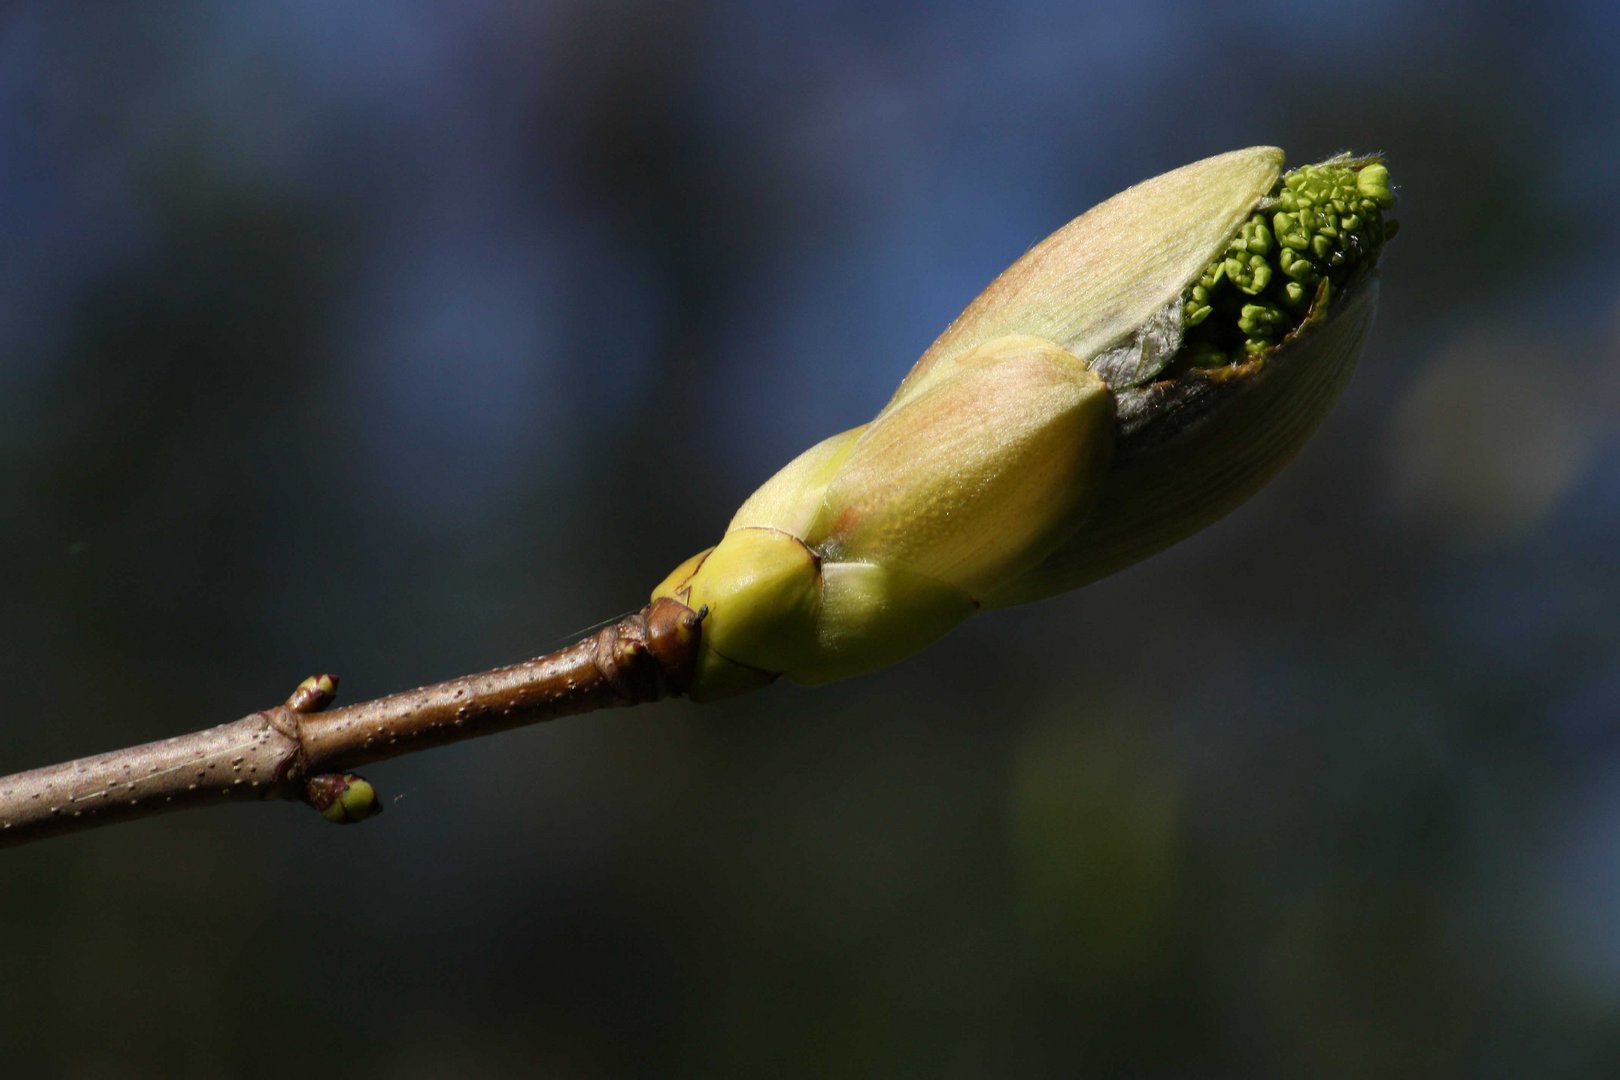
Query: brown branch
<point x="296" y="751"/>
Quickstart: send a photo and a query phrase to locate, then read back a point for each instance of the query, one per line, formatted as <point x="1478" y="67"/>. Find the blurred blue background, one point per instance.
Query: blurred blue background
<point x="402" y="340"/>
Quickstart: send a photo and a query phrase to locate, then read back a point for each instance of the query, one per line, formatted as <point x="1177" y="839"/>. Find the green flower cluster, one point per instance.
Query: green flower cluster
<point x="1306" y="239"/>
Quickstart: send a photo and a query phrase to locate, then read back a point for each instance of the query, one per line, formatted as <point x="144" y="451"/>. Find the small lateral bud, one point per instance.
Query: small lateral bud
<point x="342" y="798"/>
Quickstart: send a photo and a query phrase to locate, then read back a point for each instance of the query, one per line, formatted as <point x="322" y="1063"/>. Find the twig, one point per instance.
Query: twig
<point x="297" y="751"/>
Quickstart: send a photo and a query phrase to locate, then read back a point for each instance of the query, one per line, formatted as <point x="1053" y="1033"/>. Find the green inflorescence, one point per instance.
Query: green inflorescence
<point x="1320" y="223"/>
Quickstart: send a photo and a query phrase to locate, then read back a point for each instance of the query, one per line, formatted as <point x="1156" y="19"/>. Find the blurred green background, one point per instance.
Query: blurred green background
<point x="402" y="340"/>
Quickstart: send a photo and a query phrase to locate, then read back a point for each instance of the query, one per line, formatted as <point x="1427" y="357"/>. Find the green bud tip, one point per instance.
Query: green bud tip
<point x="342" y="798"/>
<point x="1318" y="227"/>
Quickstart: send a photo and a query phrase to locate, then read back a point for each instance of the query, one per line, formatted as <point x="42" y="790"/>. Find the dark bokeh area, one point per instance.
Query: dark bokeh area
<point x="405" y="340"/>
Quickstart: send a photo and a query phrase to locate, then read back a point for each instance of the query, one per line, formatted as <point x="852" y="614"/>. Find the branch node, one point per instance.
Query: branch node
<point x="301" y="751"/>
